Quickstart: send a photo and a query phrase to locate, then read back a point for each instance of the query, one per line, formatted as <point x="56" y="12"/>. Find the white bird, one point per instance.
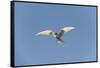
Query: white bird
<point x="56" y="35"/>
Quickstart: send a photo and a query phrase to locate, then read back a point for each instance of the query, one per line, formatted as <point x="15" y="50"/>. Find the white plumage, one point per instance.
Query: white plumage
<point x="46" y="32"/>
<point x="67" y="29"/>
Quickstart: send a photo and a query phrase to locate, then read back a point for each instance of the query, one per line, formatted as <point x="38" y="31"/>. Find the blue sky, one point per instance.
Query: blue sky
<point x="79" y="45"/>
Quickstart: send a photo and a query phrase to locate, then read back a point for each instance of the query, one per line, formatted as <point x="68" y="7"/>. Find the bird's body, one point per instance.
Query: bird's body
<point x="56" y="35"/>
<point x="58" y="39"/>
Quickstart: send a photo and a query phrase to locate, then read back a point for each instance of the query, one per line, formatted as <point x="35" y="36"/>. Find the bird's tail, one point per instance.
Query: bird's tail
<point x="59" y="41"/>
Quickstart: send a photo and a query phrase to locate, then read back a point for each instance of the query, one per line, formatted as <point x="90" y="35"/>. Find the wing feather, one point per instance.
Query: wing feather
<point x="65" y="29"/>
<point x="45" y="33"/>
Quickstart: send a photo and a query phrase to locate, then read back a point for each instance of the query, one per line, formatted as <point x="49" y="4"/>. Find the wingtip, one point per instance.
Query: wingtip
<point x="37" y="34"/>
<point x="72" y="27"/>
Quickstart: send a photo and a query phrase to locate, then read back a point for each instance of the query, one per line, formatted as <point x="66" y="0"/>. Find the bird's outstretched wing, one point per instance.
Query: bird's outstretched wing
<point x="45" y="33"/>
<point x="65" y="29"/>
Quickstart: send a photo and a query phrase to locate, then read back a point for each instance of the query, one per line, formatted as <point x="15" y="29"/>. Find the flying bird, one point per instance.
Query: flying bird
<point x="56" y="35"/>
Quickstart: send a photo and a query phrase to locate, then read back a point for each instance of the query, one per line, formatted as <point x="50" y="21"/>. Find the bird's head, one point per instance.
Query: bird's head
<point x="56" y="33"/>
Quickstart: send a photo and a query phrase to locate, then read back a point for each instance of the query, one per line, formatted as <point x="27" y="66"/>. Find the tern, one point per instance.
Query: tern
<point x="56" y="35"/>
